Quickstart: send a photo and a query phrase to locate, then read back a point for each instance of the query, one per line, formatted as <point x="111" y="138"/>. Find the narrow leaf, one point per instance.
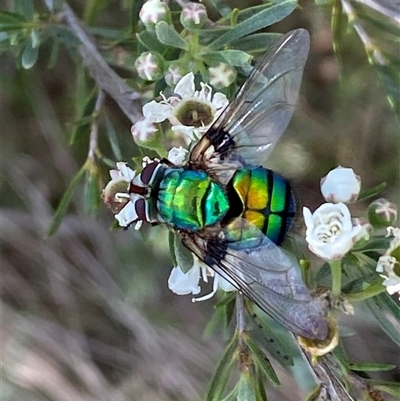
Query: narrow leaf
<point x="85" y="117"/>
<point x="258" y="21"/>
<point x="222" y="371"/>
<point x="65" y="201"/>
<point x="112" y="137"/>
<point x="29" y="55"/>
<point x="236" y="58"/>
<point x="277" y="347"/>
<point x="169" y="36"/>
<point x="386" y="302"/>
<point x="257" y="42"/>
<point x="25" y="8"/>
<point x="91" y="191"/>
<point x="150" y="42"/>
<point x="246" y="389"/>
<point x="387" y="326"/>
<point x="11" y="21"/>
<point x="372" y="192"/>
<point x="371" y="367"/>
<point x="261" y="360"/>
<point x="183" y="256"/>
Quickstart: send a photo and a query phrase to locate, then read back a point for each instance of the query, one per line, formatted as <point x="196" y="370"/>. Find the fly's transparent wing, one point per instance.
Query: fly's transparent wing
<point x="266" y="275"/>
<point x="261" y="110"/>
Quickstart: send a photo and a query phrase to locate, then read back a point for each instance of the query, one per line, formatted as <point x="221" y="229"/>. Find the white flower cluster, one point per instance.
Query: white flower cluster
<point x="331" y="232"/>
<point x="189" y="112"/>
<point x="188" y="283"/>
<point x="389" y="264"/>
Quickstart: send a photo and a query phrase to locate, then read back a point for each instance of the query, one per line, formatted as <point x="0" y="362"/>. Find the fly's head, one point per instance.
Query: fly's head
<point x="129" y="195"/>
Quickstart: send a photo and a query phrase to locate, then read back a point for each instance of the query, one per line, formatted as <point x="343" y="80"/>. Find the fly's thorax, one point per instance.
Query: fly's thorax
<point x="268" y="202"/>
<point x="190" y="200"/>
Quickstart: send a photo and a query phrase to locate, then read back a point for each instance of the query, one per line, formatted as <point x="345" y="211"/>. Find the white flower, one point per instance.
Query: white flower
<point x="389" y="268"/>
<point x="389" y="264"/>
<point x="153" y="11"/>
<point x="143" y="131"/>
<point x="330" y="233"/>
<point x="149" y="66"/>
<point x="118" y="197"/>
<point x="177" y="155"/>
<point x="188" y="283"/>
<point x="341" y="185"/>
<point x="222" y="75"/>
<point x="190" y="112"/>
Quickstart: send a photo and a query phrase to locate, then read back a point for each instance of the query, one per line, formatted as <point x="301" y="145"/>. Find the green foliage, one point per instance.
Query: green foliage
<point x="232" y="37"/>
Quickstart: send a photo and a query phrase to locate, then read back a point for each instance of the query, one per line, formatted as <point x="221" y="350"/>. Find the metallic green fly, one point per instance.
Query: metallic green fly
<point x="231" y="212"/>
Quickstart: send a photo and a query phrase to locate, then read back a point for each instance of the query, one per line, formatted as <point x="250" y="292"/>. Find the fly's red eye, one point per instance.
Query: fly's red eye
<point x="140" y="207"/>
<point x="147" y="173"/>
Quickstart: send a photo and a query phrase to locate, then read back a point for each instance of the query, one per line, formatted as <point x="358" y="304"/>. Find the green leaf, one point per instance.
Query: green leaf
<point x="85" y="117"/>
<point x="387" y="325"/>
<point x="235" y="58"/>
<point x="91" y="191"/>
<point x="65" y="201"/>
<point x="276" y="346"/>
<point x="150" y="42"/>
<point x="25" y="8"/>
<point x="30" y="55"/>
<point x="372" y="192"/>
<point x="261" y="360"/>
<point x="387" y="302"/>
<point x="390" y="80"/>
<point x="223" y="371"/>
<point x="371" y="367"/>
<point x="256" y="43"/>
<point x="64" y="35"/>
<point x="370" y="291"/>
<point x="339" y="28"/>
<point x="221" y="7"/>
<point x="12" y="21"/>
<point x="184" y="257"/>
<point x="392" y="388"/>
<point x="258" y="21"/>
<point x="55" y="47"/>
<point x="171" y="245"/>
<point x="246" y="389"/>
<point x="169" y="36"/>
<point x="261" y="394"/>
<point x="112" y="137"/>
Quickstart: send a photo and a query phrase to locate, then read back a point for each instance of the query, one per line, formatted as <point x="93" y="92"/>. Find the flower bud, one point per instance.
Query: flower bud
<point x="154" y="11"/>
<point x="144" y="132"/>
<point x="341" y="185"/>
<point x="382" y="213"/>
<point x="149" y="66"/>
<point x="222" y="75"/>
<point x="177" y="155"/>
<point x="174" y="73"/>
<point x="193" y="15"/>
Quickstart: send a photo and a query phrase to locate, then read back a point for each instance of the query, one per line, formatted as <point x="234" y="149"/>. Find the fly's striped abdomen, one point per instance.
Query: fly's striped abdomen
<point x="267" y="199"/>
<point x="190" y="200"/>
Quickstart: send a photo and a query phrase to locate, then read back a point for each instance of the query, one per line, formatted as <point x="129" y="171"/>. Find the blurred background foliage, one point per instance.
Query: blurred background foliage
<point x="86" y="313"/>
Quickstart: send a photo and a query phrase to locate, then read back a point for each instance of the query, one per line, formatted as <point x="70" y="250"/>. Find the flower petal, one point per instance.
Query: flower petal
<point x="127" y="215"/>
<point x="156" y="112"/>
<point x="184" y="283"/>
<point x="185" y="87"/>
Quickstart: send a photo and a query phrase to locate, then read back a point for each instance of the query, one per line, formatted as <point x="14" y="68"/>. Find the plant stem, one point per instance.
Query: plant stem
<point x="336" y="271"/>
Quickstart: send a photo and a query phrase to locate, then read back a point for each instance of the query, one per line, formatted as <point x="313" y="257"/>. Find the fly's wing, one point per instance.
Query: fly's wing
<point x="265" y="274"/>
<point x="253" y="122"/>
